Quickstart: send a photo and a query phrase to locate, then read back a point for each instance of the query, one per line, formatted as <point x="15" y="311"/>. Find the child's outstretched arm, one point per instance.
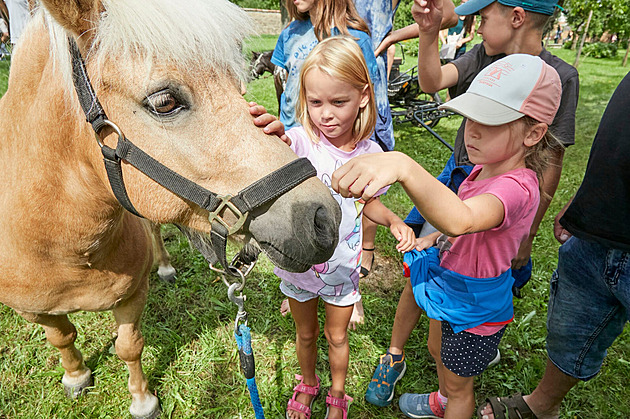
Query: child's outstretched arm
<point x="432" y="76"/>
<point x="269" y="123"/>
<point x="380" y="214"/>
<point x="365" y="175"/>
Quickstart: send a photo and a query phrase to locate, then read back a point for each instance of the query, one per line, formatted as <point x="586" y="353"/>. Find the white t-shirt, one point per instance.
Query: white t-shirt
<point x="340" y="275"/>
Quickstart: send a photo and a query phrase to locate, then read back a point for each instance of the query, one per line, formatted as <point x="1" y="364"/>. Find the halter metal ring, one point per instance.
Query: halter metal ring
<point x="118" y="131"/>
<point x="240" y="284"/>
<point x="226" y="203"/>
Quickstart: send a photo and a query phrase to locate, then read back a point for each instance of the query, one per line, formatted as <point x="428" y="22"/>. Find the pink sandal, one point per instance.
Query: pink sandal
<point x="306" y="389"/>
<point x="338" y="402"/>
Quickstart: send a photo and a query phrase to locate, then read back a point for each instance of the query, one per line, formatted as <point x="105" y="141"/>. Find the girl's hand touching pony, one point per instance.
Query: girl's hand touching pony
<point x="269" y="123"/>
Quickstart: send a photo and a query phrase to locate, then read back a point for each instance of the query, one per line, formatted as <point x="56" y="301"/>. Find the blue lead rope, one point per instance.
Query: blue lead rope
<point x="246" y="356"/>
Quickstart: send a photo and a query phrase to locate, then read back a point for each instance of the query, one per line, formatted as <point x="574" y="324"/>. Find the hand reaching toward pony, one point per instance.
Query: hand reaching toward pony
<point x="364" y="176"/>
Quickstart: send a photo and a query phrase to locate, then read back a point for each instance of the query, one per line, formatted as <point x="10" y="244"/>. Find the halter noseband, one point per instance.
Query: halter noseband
<point x="253" y="196"/>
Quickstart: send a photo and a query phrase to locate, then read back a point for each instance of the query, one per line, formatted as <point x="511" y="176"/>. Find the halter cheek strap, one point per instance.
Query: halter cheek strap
<point x="253" y="196"/>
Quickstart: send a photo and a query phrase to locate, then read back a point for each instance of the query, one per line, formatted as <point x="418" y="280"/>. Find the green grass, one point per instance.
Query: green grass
<point x="190" y="355"/>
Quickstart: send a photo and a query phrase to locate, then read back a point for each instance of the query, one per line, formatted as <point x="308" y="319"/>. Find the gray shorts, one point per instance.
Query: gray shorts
<point x="302" y="295"/>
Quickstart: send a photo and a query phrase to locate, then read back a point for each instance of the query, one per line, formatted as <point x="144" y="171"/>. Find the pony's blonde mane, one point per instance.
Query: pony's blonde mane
<point x="188" y="33"/>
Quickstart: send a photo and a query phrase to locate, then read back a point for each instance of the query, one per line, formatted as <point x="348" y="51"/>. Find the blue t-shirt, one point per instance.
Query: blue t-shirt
<point x="379" y="16"/>
<point x="294" y="44"/>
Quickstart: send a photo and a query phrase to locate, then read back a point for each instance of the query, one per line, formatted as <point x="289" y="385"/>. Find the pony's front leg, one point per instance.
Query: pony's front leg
<point x="129" y="346"/>
<point x="62" y="334"/>
<point x="166" y="272"/>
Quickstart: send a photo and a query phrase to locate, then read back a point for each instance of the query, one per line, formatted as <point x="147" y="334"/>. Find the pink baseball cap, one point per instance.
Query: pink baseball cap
<point x="510" y="88"/>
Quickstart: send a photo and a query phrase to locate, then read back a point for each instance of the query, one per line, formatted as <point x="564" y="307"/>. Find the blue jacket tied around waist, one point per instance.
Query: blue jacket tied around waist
<point x="463" y="301"/>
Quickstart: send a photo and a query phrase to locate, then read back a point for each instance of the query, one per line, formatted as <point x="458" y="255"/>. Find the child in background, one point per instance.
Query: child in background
<point x="466" y="291"/>
<point x="456" y="38"/>
<point x="337" y="114"/>
<point x="314" y="20"/>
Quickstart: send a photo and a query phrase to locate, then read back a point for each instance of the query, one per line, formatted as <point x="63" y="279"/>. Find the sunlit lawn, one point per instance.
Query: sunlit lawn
<point x="190" y="355"/>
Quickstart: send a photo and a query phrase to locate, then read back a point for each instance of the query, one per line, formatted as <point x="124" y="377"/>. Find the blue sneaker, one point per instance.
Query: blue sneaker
<point x="380" y="392"/>
<point x="419" y="405"/>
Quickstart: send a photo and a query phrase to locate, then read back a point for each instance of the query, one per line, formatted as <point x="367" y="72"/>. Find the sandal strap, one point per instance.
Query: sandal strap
<point x="341" y="403"/>
<point x="369" y="250"/>
<point x="299" y="407"/>
<point x="305" y="388"/>
<point x="513" y="406"/>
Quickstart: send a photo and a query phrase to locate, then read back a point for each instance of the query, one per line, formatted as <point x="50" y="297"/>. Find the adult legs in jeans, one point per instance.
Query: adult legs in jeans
<point x="588" y="308"/>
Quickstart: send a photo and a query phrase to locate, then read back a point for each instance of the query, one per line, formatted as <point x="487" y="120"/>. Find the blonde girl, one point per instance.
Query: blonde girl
<point x="313" y="21"/>
<point x="465" y="285"/>
<point x="337" y="113"/>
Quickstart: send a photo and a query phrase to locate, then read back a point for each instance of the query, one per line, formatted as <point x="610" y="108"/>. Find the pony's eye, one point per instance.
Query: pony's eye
<point x="163" y="103"/>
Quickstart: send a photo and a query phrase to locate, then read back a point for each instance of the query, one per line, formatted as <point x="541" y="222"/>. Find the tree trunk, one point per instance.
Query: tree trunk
<point x="625" y="57"/>
<point x="579" y="51"/>
<point x="575" y="37"/>
<point x="574" y="41"/>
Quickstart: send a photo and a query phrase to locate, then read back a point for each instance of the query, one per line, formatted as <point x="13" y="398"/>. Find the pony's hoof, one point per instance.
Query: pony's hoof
<point x="149" y="409"/>
<point x="75" y="388"/>
<point x="155" y="414"/>
<point x="166" y="273"/>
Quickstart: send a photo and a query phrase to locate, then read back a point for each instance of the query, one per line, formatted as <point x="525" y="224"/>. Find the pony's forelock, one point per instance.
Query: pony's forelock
<point x="192" y="34"/>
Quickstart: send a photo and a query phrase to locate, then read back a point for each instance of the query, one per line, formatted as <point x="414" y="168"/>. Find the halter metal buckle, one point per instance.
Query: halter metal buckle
<point x="225" y="202"/>
<point x="117" y="131"/>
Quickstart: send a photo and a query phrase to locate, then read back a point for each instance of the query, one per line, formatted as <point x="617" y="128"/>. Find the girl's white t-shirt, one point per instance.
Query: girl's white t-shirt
<point x="339" y="276"/>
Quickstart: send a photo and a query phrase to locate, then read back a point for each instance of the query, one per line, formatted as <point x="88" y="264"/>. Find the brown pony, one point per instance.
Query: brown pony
<point x="167" y="73"/>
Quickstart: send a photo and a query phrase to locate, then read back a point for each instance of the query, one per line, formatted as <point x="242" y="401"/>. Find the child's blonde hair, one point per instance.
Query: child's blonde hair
<point x="537" y="156"/>
<point x="327" y="14"/>
<point x="339" y="57"/>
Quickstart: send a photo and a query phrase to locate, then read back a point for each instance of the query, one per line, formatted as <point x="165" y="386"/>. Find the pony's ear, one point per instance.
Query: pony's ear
<point x="78" y="16"/>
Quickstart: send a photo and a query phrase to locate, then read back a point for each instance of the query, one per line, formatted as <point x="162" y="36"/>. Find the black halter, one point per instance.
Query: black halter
<point x="255" y="195"/>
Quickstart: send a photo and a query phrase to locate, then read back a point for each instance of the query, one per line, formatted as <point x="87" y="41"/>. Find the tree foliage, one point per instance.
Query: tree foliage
<point x="612" y="16"/>
<point x="259" y="4"/>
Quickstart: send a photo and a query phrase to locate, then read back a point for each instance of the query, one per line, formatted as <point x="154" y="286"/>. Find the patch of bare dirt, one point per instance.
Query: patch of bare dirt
<point x="386" y="276"/>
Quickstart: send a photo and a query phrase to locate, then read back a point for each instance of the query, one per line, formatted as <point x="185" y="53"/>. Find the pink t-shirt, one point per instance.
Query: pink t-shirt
<point x="489" y="253"/>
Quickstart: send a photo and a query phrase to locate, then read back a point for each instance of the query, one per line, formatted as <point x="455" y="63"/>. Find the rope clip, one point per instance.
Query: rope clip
<point x="241" y="315"/>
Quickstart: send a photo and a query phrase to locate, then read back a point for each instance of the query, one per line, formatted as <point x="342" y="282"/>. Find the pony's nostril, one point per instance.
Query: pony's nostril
<point x="325" y="228"/>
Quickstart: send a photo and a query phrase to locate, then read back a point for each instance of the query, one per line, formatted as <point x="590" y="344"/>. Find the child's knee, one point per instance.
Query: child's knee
<point x="307" y="336"/>
<point x="336" y="337"/>
<point x="458" y="388"/>
<point x="434" y="349"/>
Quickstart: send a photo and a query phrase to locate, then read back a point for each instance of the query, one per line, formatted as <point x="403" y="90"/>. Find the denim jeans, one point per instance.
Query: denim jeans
<point x="589" y="299"/>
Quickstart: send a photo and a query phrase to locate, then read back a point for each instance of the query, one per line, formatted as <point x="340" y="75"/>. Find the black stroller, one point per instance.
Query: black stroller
<point x="410" y="104"/>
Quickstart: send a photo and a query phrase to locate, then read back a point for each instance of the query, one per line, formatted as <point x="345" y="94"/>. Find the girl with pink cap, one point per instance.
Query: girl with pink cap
<point x="460" y="276"/>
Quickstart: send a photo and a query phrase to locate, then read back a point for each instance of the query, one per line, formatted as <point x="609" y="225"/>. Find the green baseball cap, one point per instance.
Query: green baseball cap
<point x="545" y="7"/>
